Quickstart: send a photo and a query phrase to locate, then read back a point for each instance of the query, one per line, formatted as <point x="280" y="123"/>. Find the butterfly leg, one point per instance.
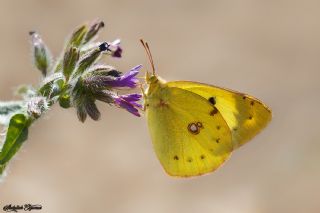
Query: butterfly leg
<point x="144" y="97"/>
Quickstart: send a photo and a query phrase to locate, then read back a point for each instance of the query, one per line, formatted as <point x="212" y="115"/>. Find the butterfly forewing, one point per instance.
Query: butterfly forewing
<point x="245" y="115"/>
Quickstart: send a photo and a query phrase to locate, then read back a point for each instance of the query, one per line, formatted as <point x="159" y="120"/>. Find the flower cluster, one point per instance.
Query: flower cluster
<point x="83" y="79"/>
<point x="101" y="83"/>
<point x="74" y="79"/>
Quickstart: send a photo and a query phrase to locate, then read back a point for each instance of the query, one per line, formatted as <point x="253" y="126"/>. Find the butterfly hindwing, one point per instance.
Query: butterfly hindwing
<point x="245" y="115"/>
<point x="189" y="134"/>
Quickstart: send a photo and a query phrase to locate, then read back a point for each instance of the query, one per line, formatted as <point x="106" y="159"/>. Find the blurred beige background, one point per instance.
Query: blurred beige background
<point x="269" y="49"/>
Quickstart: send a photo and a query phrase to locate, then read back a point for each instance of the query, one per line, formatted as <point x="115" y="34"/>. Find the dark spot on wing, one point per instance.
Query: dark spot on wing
<point x="212" y="100"/>
<point x="176" y="157"/>
<point x="194" y="128"/>
<point x="189" y="160"/>
<point x="214" y="111"/>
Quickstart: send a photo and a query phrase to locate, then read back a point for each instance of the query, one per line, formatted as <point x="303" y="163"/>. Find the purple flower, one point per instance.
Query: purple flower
<point x="117" y="53"/>
<point x="129" y="102"/>
<point x="127" y="80"/>
<point x="115" y="48"/>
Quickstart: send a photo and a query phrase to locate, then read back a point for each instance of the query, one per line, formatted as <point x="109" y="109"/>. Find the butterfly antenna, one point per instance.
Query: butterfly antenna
<point x="147" y="49"/>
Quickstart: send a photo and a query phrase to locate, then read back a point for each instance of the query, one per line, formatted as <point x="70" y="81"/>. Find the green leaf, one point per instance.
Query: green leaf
<point x="9" y="108"/>
<point x="17" y="133"/>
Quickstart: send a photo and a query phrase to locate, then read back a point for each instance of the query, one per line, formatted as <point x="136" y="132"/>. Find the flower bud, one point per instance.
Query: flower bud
<point x="52" y="82"/>
<point x="87" y="60"/>
<point x="92" y="110"/>
<point x="77" y="36"/>
<point x="94" y="77"/>
<point x="93" y="30"/>
<point x="101" y="69"/>
<point x="41" y="54"/>
<point x="64" y="101"/>
<point x="70" y="59"/>
<point x="81" y="113"/>
<point x="105" y="96"/>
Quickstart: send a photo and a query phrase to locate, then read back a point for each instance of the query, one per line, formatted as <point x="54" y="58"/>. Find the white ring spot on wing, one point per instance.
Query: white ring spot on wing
<point x="194" y="128"/>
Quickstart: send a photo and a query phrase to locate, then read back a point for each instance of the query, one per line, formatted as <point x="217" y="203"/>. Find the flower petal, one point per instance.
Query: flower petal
<point x="132" y="97"/>
<point x="128" y="102"/>
<point x="126" y="80"/>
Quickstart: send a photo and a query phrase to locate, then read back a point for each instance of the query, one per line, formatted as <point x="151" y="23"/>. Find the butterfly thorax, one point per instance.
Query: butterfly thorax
<point x="156" y="92"/>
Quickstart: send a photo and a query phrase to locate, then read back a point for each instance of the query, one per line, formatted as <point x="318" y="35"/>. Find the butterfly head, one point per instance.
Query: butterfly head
<point x="151" y="78"/>
<point x="154" y="83"/>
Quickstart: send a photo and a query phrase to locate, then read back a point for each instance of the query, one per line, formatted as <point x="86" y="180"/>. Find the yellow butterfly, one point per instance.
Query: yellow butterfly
<point x="194" y="126"/>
